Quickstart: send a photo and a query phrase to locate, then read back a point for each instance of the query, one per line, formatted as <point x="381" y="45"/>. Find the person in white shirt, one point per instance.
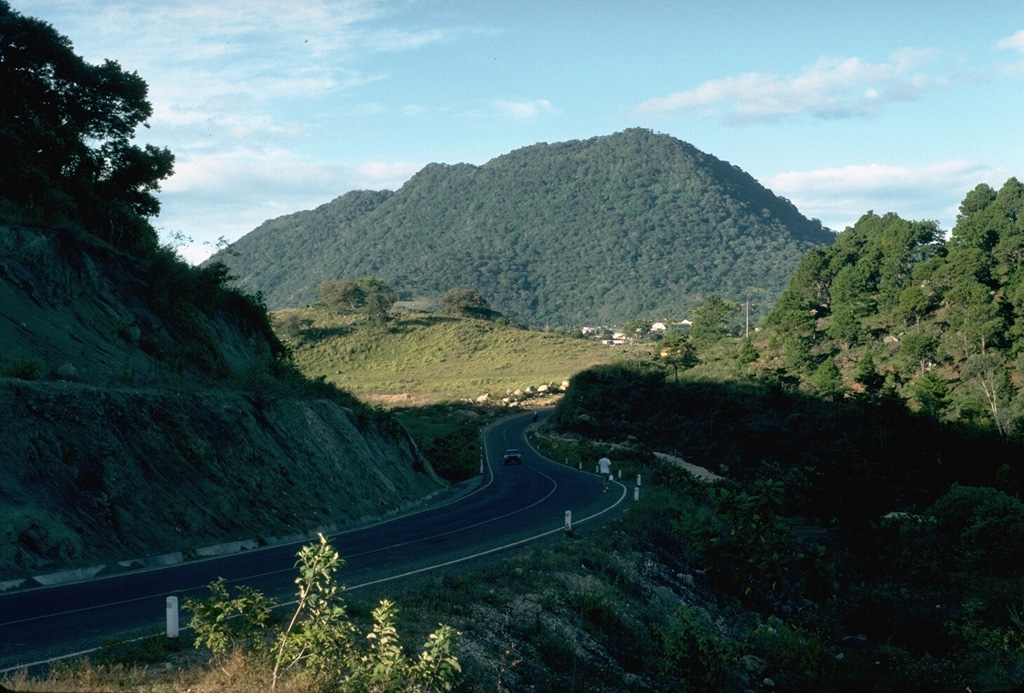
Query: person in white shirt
<point x="605" y="466"/>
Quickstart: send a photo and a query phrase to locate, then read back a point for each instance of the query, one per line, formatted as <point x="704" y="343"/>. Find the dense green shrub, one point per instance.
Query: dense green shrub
<point x="980" y="531"/>
<point x="696" y="655"/>
<point x="21" y="367"/>
<point x="318" y="640"/>
<point x="455" y="456"/>
<point x="223" y="623"/>
<point x="796" y="659"/>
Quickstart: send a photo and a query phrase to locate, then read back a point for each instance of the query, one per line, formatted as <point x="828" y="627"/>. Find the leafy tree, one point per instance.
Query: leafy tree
<point x="637" y="328"/>
<point x="843" y="325"/>
<point x="964" y="296"/>
<point x="872" y="263"/>
<point x="677" y="351"/>
<point x="342" y="295"/>
<point x="866" y="277"/>
<point x="467" y="303"/>
<point x="1002" y="223"/>
<point x="931" y="391"/>
<point x="712" y="321"/>
<point x="975" y="318"/>
<point x="914" y="303"/>
<point x="810" y="287"/>
<point x="867" y="375"/>
<point x="828" y="382"/>
<point x="291" y="325"/>
<point x="986" y="375"/>
<point x="975" y="202"/>
<point x="747" y="353"/>
<point x="902" y="245"/>
<point x="854" y="288"/>
<point x="367" y="295"/>
<point x="969" y="280"/>
<point x="793" y="321"/>
<point x="797" y="352"/>
<point x="916" y="351"/>
<point x="380" y="298"/>
<point x="66" y="130"/>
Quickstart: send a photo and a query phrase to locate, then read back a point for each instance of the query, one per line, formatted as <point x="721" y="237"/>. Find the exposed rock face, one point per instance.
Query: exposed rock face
<point x="117" y="440"/>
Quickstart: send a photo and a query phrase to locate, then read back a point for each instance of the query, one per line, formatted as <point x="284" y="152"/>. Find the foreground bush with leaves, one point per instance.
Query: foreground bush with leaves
<point x="319" y="644"/>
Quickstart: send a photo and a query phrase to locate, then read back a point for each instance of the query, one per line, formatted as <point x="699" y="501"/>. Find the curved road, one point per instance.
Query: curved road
<point x="510" y="506"/>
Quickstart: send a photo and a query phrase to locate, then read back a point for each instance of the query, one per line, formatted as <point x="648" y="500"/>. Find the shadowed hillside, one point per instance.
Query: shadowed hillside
<point x="147" y="407"/>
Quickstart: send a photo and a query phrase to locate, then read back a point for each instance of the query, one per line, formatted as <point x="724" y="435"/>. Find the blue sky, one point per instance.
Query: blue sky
<point x="272" y="107"/>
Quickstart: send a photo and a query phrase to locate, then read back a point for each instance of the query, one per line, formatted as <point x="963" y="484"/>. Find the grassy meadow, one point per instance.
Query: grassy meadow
<point x="421" y="358"/>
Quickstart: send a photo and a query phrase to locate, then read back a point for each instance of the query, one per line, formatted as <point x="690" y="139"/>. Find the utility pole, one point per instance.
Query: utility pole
<point x="750" y="290"/>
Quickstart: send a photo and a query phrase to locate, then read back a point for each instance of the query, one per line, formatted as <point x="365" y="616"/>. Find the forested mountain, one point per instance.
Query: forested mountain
<point x="629" y="225"/>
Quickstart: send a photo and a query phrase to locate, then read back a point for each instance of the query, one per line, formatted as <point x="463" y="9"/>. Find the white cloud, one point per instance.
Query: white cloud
<point x="829" y="88"/>
<point x="196" y="31"/>
<point x="233" y="55"/>
<point x="382" y="175"/>
<point x="240" y="91"/>
<point x="1015" y="42"/>
<point x="522" y="110"/>
<point x="255" y="177"/>
<point x="229" y="193"/>
<point x="840" y="196"/>
<point x="242" y="170"/>
<point x="393" y="40"/>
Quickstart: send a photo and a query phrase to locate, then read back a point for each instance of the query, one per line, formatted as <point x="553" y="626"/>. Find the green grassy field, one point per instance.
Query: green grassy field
<point x="420" y="358"/>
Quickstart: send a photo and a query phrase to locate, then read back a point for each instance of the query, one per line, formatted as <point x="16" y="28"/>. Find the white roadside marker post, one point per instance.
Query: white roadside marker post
<point x="172" y="617"/>
<point x="568" y="521"/>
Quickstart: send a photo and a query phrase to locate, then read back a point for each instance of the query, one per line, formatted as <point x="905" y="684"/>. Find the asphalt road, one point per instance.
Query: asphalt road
<point x="511" y="505"/>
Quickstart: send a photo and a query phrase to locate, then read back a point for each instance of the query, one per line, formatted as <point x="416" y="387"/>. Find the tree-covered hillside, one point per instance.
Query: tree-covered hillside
<point x="634" y="224"/>
<point x="891" y="307"/>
